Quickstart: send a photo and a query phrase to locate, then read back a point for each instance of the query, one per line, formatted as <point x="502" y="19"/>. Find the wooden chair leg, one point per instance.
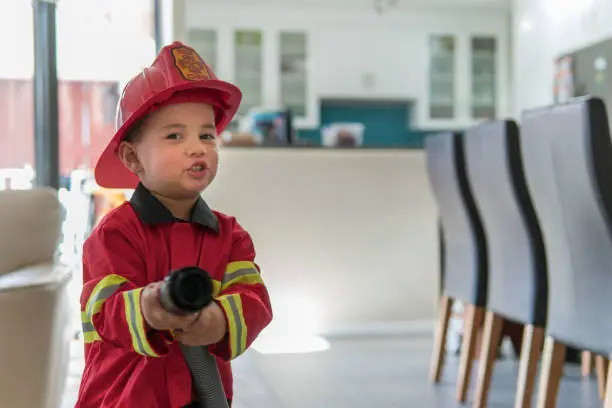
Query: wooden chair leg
<point x="533" y="339"/>
<point x="551" y="373"/>
<point x="608" y="396"/>
<point x="586" y="360"/>
<point x="437" y="359"/>
<point x="488" y="354"/>
<point x="601" y="367"/>
<point x="471" y="323"/>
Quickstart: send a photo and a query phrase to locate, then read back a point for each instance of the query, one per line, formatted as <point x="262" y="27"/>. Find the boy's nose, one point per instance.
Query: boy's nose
<point x="196" y="151"/>
<point x="195" y="148"/>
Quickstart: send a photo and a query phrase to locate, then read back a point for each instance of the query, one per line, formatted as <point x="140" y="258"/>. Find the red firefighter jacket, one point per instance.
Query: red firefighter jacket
<point x="127" y="364"/>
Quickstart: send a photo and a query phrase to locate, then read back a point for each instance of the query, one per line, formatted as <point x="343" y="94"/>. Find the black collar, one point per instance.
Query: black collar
<point x="151" y="211"/>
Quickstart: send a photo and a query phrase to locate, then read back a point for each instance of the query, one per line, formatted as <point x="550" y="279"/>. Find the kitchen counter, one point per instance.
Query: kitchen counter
<point x="345" y="237"/>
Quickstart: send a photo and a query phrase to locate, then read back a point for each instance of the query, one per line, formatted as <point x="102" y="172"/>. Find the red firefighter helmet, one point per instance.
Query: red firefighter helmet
<point x="177" y="69"/>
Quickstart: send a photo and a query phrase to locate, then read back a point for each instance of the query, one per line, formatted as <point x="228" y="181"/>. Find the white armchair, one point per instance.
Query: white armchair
<point x="34" y="317"/>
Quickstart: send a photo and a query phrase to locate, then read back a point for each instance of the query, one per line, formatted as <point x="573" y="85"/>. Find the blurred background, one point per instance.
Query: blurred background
<point x="324" y="164"/>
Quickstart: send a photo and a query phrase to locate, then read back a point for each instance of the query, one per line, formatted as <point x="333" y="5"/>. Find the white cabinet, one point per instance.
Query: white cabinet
<point x="466" y="82"/>
<point x="270" y="66"/>
<point x="365" y="62"/>
<point x="453" y="70"/>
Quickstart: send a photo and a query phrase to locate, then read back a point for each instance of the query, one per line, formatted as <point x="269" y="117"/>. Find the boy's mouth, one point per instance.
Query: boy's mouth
<point x="198" y="166"/>
<point x="198" y="169"/>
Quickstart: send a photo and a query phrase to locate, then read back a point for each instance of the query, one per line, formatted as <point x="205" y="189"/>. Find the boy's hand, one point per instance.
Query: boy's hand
<point x="209" y="328"/>
<point x="156" y="316"/>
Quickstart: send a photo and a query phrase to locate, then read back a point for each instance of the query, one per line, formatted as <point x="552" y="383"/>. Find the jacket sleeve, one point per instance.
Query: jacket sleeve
<point x="113" y="279"/>
<point x="243" y="297"/>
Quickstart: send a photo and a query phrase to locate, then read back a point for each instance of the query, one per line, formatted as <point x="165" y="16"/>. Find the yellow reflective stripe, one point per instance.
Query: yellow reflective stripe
<point x="135" y="321"/>
<point x="241" y="272"/>
<point x="216" y="287"/>
<point x="237" y="330"/>
<point x="232" y="267"/>
<point x="90" y="334"/>
<point x="91" y="337"/>
<point x="102" y="291"/>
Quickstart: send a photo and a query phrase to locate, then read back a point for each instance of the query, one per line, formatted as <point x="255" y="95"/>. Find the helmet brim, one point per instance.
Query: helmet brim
<point x="110" y="172"/>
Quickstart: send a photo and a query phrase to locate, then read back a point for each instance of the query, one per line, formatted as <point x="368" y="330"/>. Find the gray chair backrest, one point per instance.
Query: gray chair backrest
<point x="516" y="256"/>
<point x="568" y="161"/>
<point x="465" y="262"/>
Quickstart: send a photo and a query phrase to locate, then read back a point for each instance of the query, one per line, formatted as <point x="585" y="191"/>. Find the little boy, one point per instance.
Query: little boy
<point x="165" y="147"/>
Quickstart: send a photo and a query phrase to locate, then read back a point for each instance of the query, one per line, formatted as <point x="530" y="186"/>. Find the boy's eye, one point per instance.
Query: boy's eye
<point x="207" y="136"/>
<point x="173" y="136"/>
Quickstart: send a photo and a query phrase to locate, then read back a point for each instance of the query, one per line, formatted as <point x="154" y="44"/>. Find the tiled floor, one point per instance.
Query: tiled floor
<point x="365" y="373"/>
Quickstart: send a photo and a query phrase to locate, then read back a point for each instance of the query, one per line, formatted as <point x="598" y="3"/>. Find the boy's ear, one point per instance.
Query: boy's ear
<point x="128" y="155"/>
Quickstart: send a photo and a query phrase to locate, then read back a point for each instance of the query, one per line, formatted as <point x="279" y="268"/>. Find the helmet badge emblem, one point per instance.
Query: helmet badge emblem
<point x="189" y="64"/>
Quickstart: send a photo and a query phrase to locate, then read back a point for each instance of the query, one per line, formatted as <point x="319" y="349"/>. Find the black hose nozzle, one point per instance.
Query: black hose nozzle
<point x="186" y="290"/>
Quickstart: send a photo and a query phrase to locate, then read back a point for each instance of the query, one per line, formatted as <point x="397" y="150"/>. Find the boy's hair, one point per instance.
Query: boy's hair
<point x="134" y="134"/>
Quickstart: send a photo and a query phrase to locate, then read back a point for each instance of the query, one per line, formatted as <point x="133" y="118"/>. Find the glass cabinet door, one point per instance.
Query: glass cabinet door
<point x="484" y="77"/>
<point x="293" y="74"/>
<point x="248" y="67"/>
<point x="442" y="77"/>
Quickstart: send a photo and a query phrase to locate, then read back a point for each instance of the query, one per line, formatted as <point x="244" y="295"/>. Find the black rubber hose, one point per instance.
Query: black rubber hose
<point x="189" y="290"/>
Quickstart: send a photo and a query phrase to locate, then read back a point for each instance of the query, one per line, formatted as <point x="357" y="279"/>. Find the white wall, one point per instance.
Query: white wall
<point x="348" y="44"/>
<point x="347" y="240"/>
<point x="542" y="31"/>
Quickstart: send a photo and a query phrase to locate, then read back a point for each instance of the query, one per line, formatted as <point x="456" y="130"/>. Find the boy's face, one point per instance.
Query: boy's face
<point x="175" y="152"/>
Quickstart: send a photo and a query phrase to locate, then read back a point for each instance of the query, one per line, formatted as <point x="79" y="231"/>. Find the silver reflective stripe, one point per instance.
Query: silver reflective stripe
<point x="88" y="327"/>
<point x="239" y="328"/>
<point x="228" y="277"/>
<point x="132" y="322"/>
<point x="102" y="295"/>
